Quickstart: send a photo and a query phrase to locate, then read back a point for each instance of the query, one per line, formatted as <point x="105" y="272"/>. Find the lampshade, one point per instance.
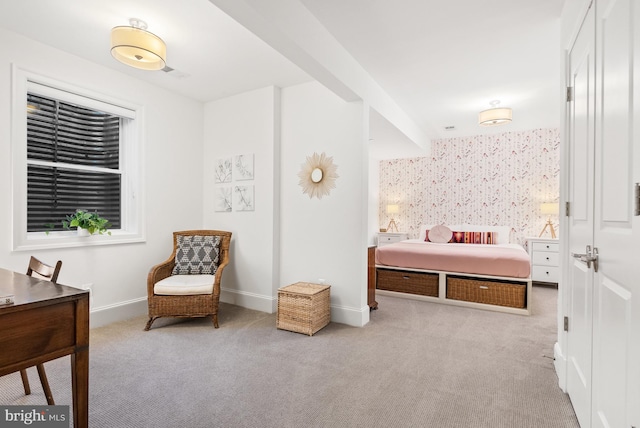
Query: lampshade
<point x="393" y="209"/>
<point x="137" y="47"/>
<point x="495" y="115"/>
<point x="549" y="208"/>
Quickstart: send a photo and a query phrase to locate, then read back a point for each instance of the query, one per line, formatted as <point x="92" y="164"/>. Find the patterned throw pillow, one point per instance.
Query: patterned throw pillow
<point x="197" y="255"/>
<point x="474" y="237"/>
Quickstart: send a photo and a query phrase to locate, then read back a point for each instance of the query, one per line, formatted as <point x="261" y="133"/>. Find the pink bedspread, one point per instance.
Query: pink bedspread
<point x="509" y="260"/>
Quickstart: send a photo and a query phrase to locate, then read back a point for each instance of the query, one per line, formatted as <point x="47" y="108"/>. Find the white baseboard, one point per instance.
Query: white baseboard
<point x="560" y="363"/>
<point x="341" y="314"/>
<point x="117" y="312"/>
<point x="257" y="302"/>
<point x="355" y="317"/>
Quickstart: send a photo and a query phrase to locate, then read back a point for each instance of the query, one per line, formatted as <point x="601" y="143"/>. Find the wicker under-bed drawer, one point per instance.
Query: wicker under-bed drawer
<point x="424" y="284"/>
<point x="492" y="292"/>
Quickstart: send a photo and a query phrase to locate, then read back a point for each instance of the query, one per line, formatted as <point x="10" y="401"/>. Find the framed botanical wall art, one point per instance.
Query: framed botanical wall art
<point x="223" y="171"/>
<point x="223" y="199"/>
<point x="233" y="190"/>
<point x="244" y="198"/>
<point x="243" y="167"/>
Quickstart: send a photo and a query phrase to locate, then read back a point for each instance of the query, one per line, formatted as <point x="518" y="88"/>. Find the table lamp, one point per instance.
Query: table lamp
<point x="392" y="209"/>
<point x="549" y="208"/>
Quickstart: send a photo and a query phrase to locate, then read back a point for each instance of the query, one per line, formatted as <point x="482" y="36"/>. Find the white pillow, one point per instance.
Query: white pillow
<point x="440" y="234"/>
<point x="504" y="232"/>
<point x="424" y="227"/>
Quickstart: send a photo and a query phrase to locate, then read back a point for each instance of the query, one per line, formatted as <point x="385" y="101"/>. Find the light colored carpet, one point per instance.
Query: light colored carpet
<point x="416" y="364"/>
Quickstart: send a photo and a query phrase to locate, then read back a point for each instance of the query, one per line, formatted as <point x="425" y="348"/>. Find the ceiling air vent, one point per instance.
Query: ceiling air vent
<point x="175" y="73"/>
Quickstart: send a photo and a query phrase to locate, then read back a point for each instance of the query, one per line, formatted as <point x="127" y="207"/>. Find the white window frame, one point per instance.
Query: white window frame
<point x="131" y="155"/>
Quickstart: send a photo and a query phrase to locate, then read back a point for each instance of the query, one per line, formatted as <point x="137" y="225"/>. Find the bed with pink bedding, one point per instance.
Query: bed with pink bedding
<point x="492" y="276"/>
<point x="505" y="260"/>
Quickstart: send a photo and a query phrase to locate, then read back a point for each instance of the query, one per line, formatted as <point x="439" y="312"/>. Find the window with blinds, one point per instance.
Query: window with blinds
<point x="73" y="162"/>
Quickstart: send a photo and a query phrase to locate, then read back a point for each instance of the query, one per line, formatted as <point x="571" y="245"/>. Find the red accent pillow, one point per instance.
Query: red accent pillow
<point x="474" y="237"/>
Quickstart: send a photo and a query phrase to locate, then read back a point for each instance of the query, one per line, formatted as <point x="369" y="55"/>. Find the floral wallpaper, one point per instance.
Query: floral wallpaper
<point x="497" y="180"/>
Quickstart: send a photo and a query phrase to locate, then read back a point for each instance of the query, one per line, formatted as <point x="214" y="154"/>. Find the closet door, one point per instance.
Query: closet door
<point x="581" y="139"/>
<point x="616" y="314"/>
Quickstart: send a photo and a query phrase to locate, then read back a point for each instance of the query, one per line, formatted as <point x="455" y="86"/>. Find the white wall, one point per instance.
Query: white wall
<point x="247" y="123"/>
<point x="326" y="238"/>
<point x="289" y="237"/>
<point x="173" y="130"/>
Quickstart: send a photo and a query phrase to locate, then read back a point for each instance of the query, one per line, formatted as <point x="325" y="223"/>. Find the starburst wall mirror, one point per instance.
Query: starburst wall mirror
<point x="318" y="175"/>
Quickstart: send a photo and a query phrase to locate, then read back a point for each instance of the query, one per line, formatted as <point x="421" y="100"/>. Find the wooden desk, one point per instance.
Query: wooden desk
<point x="47" y="321"/>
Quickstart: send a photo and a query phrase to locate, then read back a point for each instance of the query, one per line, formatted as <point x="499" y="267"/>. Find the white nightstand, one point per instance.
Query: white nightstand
<point x="385" y="238"/>
<point x="545" y="259"/>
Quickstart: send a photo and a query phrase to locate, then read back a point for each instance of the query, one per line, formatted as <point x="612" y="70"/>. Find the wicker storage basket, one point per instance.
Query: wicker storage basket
<point x="424" y="284"/>
<point x="486" y="291"/>
<point x="303" y="307"/>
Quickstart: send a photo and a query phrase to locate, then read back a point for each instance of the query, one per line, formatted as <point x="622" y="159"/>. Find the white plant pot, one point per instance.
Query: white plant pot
<point x="83" y="232"/>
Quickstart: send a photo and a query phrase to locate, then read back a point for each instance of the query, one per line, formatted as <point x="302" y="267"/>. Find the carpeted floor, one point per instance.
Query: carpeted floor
<point x="416" y="364"/>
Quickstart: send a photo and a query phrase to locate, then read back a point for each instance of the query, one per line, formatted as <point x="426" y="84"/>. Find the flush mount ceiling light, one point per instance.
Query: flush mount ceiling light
<point x="137" y="47"/>
<point x="495" y="115"/>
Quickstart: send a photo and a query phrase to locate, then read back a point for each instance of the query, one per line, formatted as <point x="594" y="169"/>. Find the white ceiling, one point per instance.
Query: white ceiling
<point x="441" y="61"/>
<point x="444" y="61"/>
<point x="219" y="57"/>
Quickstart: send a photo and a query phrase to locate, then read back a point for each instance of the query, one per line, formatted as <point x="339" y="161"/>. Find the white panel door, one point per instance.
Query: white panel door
<point x="580" y="222"/>
<point x="616" y="312"/>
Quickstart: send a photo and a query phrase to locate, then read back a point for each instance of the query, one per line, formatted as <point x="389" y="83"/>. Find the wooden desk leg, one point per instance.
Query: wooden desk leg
<point x="371" y="278"/>
<point x="80" y="367"/>
<point x="80" y="388"/>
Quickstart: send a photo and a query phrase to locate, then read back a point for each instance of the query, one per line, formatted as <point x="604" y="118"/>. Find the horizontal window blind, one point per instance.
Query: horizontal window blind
<point x="89" y="101"/>
<point x="59" y="136"/>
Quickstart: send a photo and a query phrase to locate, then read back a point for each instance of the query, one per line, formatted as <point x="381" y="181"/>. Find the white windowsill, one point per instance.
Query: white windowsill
<point x="67" y="239"/>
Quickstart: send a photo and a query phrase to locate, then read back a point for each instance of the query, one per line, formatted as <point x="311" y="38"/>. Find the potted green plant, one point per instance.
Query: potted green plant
<point x="87" y="223"/>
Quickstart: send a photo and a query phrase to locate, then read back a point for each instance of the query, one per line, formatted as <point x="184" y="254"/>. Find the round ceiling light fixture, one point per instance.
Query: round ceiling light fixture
<point x="495" y="115"/>
<point x="136" y="47"/>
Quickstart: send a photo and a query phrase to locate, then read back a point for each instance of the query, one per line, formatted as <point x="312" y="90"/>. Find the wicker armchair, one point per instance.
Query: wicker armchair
<point x="189" y="293"/>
